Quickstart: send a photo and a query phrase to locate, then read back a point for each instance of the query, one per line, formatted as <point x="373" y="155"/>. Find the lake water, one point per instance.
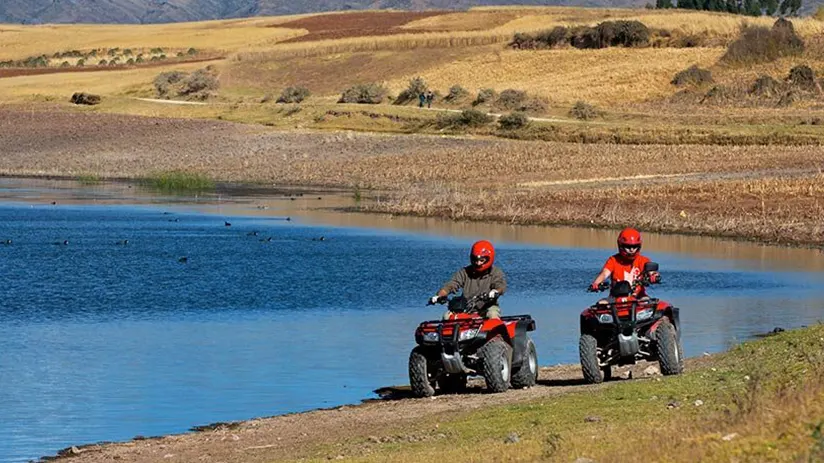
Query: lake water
<point x="104" y="341"/>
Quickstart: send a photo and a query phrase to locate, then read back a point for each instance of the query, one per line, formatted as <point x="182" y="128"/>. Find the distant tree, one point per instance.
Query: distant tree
<point x="790" y="7"/>
<point x="686" y="4"/>
<point x="662" y="4"/>
<point x="769" y="6"/>
<point x="732" y="6"/>
<point x="752" y="8"/>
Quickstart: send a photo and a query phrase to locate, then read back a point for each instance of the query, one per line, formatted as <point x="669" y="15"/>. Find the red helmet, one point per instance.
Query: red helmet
<point x="482" y="255"/>
<point x="629" y="242"/>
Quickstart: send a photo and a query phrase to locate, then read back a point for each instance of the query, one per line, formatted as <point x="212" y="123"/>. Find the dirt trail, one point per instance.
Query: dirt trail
<point x="300" y="435"/>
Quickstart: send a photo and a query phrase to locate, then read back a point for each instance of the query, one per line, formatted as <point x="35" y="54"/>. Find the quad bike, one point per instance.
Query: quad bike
<point x="625" y="328"/>
<point x="466" y="344"/>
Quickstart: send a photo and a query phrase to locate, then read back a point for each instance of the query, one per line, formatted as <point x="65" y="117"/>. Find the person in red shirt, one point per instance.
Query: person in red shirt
<point x="627" y="264"/>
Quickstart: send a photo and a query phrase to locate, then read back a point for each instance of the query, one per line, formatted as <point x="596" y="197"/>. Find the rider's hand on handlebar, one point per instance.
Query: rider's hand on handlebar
<point x="654" y="277"/>
<point x="493" y="294"/>
<point x="593" y="288"/>
<point x="436" y="300"/>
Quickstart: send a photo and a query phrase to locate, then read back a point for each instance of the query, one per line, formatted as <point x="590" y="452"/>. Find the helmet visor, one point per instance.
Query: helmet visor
<point x="631" y="248"/>
<point x="479" y="260"/>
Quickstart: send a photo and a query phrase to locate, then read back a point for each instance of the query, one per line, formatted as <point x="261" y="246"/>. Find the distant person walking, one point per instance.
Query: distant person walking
<point x="421" y="99"/>
<point x="429" y="97"/>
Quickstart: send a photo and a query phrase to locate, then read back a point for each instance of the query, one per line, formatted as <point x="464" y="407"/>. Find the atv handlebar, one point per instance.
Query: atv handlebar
<point x="644" y="280"/>
<point x="470" y="303"/>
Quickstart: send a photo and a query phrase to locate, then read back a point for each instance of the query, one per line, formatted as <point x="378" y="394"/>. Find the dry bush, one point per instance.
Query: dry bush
<point x="166" y="81"/>
<point x="364" y="94"/>
<point x="85" y="98"/>
<point x="766" y="86"/>
<point x="622" y="33"/>
<point x="758" y="44"/>
<point x="294" y="95"/>
<point x="694" y="76"/>
<point x="485" y="95"/>
<point x="199" y="85"/>
<point x="511" y="99"/>
<point x="583" y="111"/>
<point x="605" y="34"/>
<point x="513" y="121"/>
<point x="466" y="118"/>
<point x="802" y="77"/>
<point x="410" y="94"/>
<point x="456" y="94"/>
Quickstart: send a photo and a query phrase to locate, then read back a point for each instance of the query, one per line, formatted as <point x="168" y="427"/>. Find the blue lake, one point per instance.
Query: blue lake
<point x="104" y="341"/>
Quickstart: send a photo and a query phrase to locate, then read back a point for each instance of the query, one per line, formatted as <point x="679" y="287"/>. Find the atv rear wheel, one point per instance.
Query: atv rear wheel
<point x="588" y="351"/>
<point x="419" y="376"/>
<point x="526" y="374"/>
<point x="669" y="350"/>
<point x="452" y="384"/>
<point x="496" y="356"/>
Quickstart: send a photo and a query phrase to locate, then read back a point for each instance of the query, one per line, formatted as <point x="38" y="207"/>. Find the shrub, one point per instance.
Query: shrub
<point x="466" y="118"/>
<point x="364" y="94"/>
<point x="583" y="37"/>
<point x="623" y="33"/>
<point x="85" y="98"/>
<point x="81" y="62"/>
<point x="513" y="121"/>
<point x="485" y="95"/>
<point x="139" y="60"/>
<point x="693" y="75"/>
<point x="191" y="52"/>
<point x="543" y="39"/>
<point x="757" y="44"/>
<point x="410" y="94"/>
<point x="583" y="111"/>
<point x="293" y="95"/>
<point x="65" y="64"/>
<point x="802" y="77"/>
<point x="456" y="93"/>
<point x="765" y="86"/>
<point x="130" y="62"/>
<point x="200" y="85"/>
<point x="165" y="82"/>
<point x="511" y="99"/>
<point x="534" y="105"/>
<point x="102" y="62"/>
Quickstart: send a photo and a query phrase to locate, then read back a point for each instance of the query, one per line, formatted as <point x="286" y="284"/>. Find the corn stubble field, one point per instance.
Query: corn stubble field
<point x="710" y="157"/>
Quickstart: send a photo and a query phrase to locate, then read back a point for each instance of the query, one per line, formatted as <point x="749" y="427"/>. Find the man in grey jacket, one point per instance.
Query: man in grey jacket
<point x="480" y="277"/>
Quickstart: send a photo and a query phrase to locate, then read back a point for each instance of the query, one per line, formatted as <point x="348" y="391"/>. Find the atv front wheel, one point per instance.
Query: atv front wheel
<point x="669" y="349"/>
<point x="452" y="384"/>
<point x="588" y="351"/>
<point x="496" y="356"/>
<point x="419" y="375"/>
<point x="526" y="374"/>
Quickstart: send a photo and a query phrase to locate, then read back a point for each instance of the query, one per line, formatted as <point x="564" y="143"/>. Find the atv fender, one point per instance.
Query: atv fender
<point x="674" y="316"/>
<point x="495" y="327"/>
<point x="519" y="344"/>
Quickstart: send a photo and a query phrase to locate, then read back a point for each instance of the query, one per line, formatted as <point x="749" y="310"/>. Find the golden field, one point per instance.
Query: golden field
<point x="464" y="48"/>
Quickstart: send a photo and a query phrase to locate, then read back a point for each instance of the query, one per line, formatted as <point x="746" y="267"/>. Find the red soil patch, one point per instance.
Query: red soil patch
<point x="345" y="25"/>
<point x="16" y="72"/>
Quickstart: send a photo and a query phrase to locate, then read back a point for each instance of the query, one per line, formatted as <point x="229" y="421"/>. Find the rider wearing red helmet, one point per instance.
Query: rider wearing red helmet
<point x="479" y="277"/>
<point x="627" y="264"/>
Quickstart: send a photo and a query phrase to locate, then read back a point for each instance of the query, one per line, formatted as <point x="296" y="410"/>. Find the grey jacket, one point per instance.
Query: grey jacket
<point x="474" y="284"/>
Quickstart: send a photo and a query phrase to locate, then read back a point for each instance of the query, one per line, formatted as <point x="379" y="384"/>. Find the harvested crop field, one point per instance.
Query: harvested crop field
<point x="346" y="25"/>
<point x="18" y="72"/>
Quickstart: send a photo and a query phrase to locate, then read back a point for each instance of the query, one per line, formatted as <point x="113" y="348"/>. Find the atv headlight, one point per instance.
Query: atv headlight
<point x="605" y="318"/>
<point x="468" y="334"/>
<point x="430" y="337"/>
<point x="644" y="314"/>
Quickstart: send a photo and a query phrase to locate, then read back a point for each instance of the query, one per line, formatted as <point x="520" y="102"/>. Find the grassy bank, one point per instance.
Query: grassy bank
<point x="762" y="401"/>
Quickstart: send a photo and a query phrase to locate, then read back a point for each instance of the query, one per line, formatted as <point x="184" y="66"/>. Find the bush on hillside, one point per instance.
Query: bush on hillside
<point x="456" y="94"/>
<point x="511" y="99"/>
<point x="605" y="34"/>
<point x="583" y="111"/>
<point x="410" y="94"/>
<point x="293" y="95"/>
<point x="200" y="85"/>
<point x="758" y="44"/>
<point x="802" y="77"/>
<point x="765" y="86"/>
<point x="466" y="118"/>
<point x="364" y="94"/>
<point x="485" y="95"/>
<point x="693" y="75"/>
<point x="85" y="98"/>
<point x="513" y="121"/>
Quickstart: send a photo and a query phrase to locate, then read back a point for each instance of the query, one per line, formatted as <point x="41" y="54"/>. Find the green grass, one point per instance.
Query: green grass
<point x="762" y="401"/>
<point x="89" y="179"/>
<point x="177" y="181"/>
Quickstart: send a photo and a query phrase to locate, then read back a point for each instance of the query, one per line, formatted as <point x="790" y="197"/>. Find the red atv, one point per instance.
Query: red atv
<point x="625" y="328"/>
<point x="449" y="351"/>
